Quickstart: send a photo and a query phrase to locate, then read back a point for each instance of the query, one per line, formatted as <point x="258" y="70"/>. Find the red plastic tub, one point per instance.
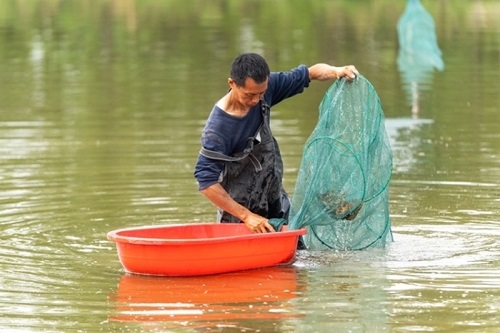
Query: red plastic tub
<point x="201" y="248"/>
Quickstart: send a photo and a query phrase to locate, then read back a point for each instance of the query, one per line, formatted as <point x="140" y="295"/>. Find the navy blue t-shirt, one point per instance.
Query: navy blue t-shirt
<point x="228" y="135"/>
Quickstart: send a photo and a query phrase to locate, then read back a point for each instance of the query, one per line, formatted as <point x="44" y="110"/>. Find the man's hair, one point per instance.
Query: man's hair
<point x="249" y="65"/>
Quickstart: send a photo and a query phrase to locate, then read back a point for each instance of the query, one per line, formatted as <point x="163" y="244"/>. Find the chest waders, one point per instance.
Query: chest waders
<point x="253" y="177"/>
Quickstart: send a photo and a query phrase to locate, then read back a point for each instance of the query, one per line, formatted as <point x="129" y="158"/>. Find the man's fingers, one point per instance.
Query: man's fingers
<point x="350" y="71"/>
<point x="268" y="227"/>
<point x="264" y="228"/>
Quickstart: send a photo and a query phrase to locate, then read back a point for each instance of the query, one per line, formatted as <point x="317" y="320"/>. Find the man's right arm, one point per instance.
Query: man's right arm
<point x="220" y="198"/>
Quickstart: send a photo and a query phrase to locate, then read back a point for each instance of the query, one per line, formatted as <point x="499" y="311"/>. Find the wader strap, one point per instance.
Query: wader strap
<point x="215" y="155"/>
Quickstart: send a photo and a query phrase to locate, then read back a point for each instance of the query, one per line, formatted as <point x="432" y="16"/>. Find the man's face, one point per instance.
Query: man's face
<point x="250" y="93"/>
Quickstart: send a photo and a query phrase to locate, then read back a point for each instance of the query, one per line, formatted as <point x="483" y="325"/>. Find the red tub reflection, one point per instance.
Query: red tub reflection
<point x="259" y="293"/>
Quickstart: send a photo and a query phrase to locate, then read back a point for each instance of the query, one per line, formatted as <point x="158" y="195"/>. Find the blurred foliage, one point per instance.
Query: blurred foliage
<point x="63" y="53"/>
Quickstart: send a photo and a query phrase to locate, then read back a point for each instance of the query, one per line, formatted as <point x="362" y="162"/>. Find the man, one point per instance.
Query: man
<point x="239" y="168"/>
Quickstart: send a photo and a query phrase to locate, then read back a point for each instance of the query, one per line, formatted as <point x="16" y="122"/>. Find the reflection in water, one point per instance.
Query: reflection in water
<point x="419" y="53"/>
<point x="346" y="290"/>
<point x="207" y="301"/>
<point x="402" y="133"/>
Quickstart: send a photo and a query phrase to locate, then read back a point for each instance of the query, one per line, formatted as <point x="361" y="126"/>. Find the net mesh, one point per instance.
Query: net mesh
<point x="341" y="192"/>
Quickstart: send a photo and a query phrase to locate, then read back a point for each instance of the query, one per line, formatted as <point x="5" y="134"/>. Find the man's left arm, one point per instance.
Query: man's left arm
<point x="324" y="72"/>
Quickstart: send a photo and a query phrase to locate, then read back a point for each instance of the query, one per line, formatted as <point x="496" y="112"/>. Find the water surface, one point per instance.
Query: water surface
<point x="101" y="108"/>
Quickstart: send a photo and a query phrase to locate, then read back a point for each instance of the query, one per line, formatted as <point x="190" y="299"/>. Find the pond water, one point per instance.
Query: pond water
<point x="101" y="108"/>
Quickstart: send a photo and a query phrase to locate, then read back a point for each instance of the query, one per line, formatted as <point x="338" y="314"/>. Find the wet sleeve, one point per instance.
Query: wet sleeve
<point x="283" y="85"/>
<point x="207" y="171"/>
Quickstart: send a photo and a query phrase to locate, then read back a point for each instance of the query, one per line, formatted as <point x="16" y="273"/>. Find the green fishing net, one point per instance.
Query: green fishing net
<point x="341" y="193"/>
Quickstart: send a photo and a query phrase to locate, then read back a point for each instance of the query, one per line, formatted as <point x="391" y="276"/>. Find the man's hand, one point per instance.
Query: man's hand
<point x="349" y="72"/>
<point x="220" y="198"/>
<point x="258" y="224"/>
<point x="323" y="72"/>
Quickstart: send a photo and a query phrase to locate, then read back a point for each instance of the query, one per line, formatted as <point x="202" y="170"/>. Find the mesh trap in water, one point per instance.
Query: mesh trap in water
<point x="341" y="193"/>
